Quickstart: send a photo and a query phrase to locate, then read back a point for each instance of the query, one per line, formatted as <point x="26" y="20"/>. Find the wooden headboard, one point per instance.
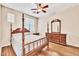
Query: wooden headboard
<point x="19" y="30"/>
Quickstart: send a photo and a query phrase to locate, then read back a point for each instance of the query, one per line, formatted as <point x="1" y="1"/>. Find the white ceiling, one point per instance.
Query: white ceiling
<point x="26" y="8"/>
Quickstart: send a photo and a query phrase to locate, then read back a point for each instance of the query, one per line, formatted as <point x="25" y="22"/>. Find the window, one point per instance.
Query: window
<point x="30" y="24"/>
<point x="10" y="17"/>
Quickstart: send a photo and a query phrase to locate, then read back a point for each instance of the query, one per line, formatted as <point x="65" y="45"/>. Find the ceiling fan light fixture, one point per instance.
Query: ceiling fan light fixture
<point x="40" y="8"/>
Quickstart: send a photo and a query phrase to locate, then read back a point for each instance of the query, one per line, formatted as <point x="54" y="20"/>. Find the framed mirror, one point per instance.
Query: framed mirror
<point x="56" y="26"/>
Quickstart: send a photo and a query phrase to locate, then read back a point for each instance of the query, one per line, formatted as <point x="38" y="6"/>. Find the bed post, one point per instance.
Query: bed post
<point x="47" y="37"/>
<point x="23" y="49"/>
<point x="11" y="34"/>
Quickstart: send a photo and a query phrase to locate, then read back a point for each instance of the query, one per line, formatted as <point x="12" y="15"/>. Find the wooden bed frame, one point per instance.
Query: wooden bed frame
<point x="35" y="50"/>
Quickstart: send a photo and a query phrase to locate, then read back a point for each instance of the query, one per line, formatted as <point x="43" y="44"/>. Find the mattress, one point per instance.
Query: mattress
<point x="17" y="42"/>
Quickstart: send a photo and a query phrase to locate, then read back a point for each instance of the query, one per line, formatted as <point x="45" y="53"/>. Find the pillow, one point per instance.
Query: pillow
<point x="27" y="33"/>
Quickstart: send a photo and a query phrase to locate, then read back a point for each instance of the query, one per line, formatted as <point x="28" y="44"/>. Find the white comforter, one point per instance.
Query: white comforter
<point x="17" y="42"/>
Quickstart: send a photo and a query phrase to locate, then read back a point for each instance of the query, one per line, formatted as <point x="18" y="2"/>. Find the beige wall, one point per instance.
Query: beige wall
<point x="42" y="25"/>
<point x="5" y="40"/>
<point x="0" y="31"/>
<point x="0" y="25"/>
<point x="6" y="24"/>
<point x="70" y="24"/>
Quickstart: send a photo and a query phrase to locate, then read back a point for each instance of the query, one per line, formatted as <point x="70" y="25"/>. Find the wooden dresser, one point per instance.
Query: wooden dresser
<point x="56" y="38"/>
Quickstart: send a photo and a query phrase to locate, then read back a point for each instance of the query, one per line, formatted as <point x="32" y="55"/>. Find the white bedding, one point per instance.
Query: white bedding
<point x="17" y="42"/>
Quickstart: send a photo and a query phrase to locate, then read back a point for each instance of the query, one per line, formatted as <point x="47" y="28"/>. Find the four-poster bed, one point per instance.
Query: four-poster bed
<point x="24" y="44"/>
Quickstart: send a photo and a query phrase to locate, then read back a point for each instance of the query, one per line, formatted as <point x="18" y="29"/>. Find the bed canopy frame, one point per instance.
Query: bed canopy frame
<point x="23" y="30"/>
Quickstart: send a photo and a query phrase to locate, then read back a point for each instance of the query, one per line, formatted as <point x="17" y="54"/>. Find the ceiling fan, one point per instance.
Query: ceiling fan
<point x="40" y="8"/>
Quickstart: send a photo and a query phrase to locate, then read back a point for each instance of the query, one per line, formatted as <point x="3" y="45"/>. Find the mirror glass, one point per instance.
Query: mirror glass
<point x="55" y="27"/>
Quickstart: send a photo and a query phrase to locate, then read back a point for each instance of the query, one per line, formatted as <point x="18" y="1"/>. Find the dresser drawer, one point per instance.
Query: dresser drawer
<point x="57" y="38"/>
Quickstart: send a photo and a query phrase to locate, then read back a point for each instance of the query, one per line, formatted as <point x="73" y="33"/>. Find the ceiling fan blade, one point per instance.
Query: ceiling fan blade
<point x="44" y="11"/>
<point x="33" y="9"/>
<point x="45" y="6"/>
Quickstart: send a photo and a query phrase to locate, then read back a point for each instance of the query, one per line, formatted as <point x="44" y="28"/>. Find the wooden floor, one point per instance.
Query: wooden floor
<point x="7" y="51"/>
<point x="54" y="50"/>
<point x="63" y="50"/>
<point x="59" y="50"/>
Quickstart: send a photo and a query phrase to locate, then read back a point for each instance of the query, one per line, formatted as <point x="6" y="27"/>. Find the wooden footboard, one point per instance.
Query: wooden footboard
<point x="43" y="42"/>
